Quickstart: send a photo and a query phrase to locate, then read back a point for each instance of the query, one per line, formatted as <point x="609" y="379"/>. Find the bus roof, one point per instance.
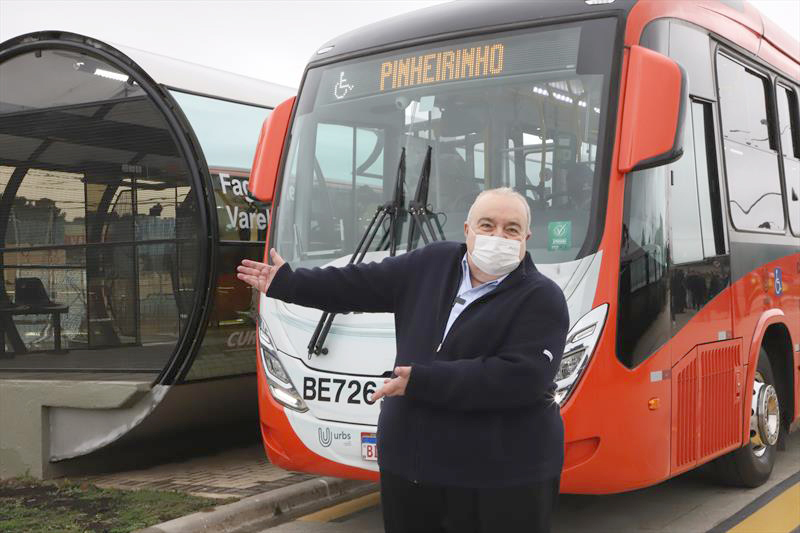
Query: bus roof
<point x="781" y="39"/>
<point x="444" y="20"/>
<point x="174" y="73"/>
<point x="735" y="20"/>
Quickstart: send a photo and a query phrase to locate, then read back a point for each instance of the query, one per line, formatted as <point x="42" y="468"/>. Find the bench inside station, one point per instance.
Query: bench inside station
<point x="30" y="298"/>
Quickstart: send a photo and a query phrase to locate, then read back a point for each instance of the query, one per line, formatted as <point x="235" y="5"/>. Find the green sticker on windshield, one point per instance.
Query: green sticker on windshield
<point x="559" y="235"/>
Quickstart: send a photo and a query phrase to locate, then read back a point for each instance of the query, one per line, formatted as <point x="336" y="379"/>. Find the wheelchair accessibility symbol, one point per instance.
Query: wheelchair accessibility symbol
<point x="778" y="282"/>
<point x="341" y="88"/>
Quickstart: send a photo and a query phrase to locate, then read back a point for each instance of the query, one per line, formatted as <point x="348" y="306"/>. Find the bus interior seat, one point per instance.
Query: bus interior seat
<point x="457" y="190"/>
<point x="579" y="183"/>
<point x="571" y="206"/>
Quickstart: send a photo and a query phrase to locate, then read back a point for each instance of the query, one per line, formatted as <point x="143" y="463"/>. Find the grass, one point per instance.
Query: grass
<point x="29" y="505"/>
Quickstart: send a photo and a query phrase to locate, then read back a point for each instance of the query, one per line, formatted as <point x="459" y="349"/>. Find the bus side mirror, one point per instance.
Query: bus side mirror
<point x="264" y="174"/>
<point x="653" y="111"/>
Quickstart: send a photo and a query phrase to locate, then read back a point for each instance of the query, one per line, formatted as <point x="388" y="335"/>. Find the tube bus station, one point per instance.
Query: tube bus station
<point x="123" y="213"/>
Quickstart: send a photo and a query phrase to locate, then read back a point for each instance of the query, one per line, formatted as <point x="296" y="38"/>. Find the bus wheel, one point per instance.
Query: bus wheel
<point x="751" y="465"/>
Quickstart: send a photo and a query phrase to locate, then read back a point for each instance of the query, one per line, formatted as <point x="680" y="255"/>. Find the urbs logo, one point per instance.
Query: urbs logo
<point x="326" y="437"/>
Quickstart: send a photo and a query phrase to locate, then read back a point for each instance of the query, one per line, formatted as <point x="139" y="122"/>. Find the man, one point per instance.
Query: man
<point x="469" y="437"/>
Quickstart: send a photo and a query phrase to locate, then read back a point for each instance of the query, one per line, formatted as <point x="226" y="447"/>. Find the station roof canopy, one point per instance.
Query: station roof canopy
<point x="174" y="73"/>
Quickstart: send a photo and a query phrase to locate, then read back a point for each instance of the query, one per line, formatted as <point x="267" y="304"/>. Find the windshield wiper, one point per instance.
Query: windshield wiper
<point x="395" y="210"/>
<point x="420" y="211"/>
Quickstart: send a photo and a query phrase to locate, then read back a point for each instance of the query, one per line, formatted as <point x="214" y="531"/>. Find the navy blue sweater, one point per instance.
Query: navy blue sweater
<point x="478" y="410"/>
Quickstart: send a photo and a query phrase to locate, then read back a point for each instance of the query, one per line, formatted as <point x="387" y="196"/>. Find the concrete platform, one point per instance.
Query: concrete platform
<point x="53" y="425"/>
<point x="29" y="406"/>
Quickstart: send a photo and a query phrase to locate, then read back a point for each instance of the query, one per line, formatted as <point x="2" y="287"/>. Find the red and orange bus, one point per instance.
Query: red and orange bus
<point x="658" y="145"/>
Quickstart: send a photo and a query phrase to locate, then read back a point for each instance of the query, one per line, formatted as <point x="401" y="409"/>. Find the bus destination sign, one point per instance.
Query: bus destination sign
<point x="448" y="65"/>
<point x="471" y="61"/>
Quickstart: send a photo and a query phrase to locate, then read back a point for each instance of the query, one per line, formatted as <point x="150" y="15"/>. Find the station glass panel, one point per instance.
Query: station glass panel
<point x="228" y="133"/>
<point x="99" y="225"/>
<point x="229" y="344"/>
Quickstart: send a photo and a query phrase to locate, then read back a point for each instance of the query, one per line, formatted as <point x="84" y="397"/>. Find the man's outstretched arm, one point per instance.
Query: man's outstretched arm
<point x="365" y="287"/>
<point x="260" y="275"/>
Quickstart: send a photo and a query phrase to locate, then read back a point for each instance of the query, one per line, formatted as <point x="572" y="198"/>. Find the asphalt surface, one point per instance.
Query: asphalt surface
<point x="686" y="504"/>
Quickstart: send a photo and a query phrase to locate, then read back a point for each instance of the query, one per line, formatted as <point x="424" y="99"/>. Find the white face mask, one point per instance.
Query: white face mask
<point x="495" y="256"/>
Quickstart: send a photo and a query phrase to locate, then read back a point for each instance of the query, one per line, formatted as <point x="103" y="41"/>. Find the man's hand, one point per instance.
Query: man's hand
<point x="395" y="386"/>
<point x="260" y="275"/>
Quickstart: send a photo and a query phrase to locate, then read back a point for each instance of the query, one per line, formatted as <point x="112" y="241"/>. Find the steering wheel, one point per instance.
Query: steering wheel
<point x="534" y="189"/>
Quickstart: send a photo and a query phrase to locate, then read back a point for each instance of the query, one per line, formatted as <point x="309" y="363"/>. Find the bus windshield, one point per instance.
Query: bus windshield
<point x="523" y="109"/>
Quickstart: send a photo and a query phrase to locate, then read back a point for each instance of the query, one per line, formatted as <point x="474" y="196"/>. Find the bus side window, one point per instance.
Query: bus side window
<point x="695" y="209"/>
<point x="751" y="157"/>
<point x="643" y="319"/>
<point x="790" y="147"/>
<point x="708" y="186"/>
<point x="685" y="223"/>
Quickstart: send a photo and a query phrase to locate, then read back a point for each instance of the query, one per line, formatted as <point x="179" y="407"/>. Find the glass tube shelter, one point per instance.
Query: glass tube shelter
<point x="123" y="213"/>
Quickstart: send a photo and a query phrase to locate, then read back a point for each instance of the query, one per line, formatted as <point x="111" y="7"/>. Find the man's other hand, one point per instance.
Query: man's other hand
<point x="395" y="386"/>
<point x="260" y="275"/>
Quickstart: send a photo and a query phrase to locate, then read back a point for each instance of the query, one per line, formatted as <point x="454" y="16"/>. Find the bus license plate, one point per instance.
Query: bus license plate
<point x="369" y="448"/>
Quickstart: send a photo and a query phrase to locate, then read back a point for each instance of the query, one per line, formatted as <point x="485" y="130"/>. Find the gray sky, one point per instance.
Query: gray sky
<point x="266" y="39"/>
<point x="271" y="40"/>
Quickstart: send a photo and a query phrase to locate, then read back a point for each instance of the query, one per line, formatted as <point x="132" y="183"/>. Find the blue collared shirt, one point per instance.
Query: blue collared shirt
<point x="468" y="294"/>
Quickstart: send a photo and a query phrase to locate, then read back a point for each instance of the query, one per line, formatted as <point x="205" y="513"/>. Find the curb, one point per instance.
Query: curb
<point x="268" y="509"/>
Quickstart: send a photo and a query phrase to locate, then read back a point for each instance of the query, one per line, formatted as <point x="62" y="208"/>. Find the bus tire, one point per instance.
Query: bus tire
<point x="751" y="465"/>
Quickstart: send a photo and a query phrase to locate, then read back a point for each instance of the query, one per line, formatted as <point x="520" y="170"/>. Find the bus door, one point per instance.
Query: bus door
<point x="706" y="374"/>
<point x="707" y="371"/>
<point x="699" y="258"/>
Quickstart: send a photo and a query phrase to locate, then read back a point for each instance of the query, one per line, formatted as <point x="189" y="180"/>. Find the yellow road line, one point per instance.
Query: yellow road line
<point x="343" y="509"/>
<point x="781" y="515"/>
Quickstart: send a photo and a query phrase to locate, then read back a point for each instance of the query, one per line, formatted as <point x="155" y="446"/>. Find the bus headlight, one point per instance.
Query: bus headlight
<point x="581" y="342"/>
<point x="280" y="386"/>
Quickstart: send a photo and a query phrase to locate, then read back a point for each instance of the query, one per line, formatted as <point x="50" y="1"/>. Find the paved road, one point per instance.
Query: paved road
<point x="686" y="504"/>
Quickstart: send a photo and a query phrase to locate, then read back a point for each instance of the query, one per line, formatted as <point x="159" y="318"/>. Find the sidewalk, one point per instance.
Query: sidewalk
<point x="238" y="472"/>
<point x="269" y="495"/>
